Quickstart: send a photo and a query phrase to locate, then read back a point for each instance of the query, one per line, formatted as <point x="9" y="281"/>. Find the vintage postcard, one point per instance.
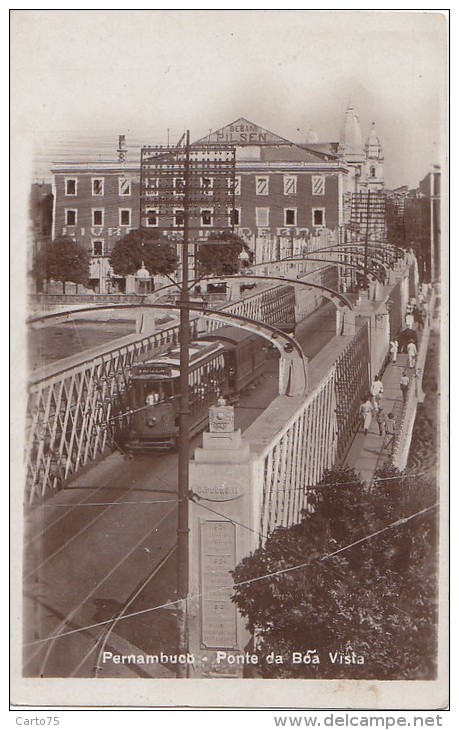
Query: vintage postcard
<point x="229" y="374"/>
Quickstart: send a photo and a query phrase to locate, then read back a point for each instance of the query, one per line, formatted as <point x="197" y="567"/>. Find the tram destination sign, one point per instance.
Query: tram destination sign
<point x="154" y="369"/>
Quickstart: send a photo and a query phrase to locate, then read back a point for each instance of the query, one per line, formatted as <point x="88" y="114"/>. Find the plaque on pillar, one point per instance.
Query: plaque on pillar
<point x="222" y="437"/>
<point x="221" y="419"/>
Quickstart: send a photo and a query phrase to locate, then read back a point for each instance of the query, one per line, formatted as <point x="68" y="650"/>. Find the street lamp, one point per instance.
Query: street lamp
<point x="244" y="258"/>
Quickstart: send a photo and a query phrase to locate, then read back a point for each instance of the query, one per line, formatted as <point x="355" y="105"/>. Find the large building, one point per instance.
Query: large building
<point x="415" y="222"/>
<point x="286" y="194"/>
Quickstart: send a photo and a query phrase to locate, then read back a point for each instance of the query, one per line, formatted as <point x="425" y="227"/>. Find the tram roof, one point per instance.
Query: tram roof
<point x="199" y="350"/>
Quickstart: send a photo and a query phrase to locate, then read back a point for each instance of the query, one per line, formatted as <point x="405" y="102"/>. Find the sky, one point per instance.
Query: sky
<point x="79" y="78"/>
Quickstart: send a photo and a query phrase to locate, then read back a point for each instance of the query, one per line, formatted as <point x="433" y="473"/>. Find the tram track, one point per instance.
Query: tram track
<point x="69" y="619"/>
<point x="110" y="506"/>
<point x="110" y="629"/>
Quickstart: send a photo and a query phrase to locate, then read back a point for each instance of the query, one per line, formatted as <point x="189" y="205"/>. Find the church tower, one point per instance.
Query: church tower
<point x="351" y="149"/>
<point x="374" y="166"/>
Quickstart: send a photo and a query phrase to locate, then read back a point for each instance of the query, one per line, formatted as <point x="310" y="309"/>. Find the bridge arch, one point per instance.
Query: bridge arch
<point x="326" y="291"/>
<point x="293" y="376"/>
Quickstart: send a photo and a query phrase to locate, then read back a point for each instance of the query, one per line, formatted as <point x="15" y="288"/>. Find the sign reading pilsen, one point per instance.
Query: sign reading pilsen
<point x="243" y="132"/>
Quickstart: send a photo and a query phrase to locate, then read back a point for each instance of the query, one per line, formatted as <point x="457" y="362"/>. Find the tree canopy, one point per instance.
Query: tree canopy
<point x="222" y="258"/>
<point x="143" y="246"/>
<point x="376" y="599"/>
<point x="62" y="260"/>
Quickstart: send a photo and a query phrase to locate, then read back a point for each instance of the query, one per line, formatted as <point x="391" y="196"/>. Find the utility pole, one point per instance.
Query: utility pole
<point x="184" y="427"/>
<point x="365" y="259"/>
<point x="161" y="171"/>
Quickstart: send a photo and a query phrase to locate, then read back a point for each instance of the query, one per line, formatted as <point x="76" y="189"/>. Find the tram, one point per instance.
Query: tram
<point x="223" y="363"/>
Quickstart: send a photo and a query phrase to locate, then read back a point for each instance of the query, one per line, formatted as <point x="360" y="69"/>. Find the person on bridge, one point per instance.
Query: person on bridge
<point x="412" y="351"/>
<point x="419" y="318"/>
<point x="381" y="420"/>
<point x="393" y="349"/>
<point x="409" y="320"/>
<point x="377" y="390"/>
<point x="366" y="413"/>
<point x="151" y="399"/>
<point x="404" y="384"/>
<point x="390" y="427"/>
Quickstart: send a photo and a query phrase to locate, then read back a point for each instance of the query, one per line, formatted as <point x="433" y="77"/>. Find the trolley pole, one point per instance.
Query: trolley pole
<point x="184" y="429"/>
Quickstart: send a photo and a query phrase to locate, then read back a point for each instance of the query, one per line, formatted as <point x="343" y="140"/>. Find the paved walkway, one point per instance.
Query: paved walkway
<point x="366" y="454"/>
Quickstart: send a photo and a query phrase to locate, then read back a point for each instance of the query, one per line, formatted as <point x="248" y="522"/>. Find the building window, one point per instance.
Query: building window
<point x="234" y="184"/>
<point x="290" y="184"/>
<point x="98" y="247"/>
<point x="151" y="186"/>
<point x="125" y="216"/>
<point x="152" y="218"/>
<point x="70" y="217"/>
<point x="206" y="217"/>
<point x="179" y="218"/>
<point x="97" y="217"/>
<point x="318" y="217"/>
<point x="124" y="186"/>
<point x="207" y="184"/>
<point x="97" y="185"/>
<point x="262" y="185"/>
<point x="262" y="217"/>
<point x="179" y="185"/>
<point x="70" y="186"/>
<point x="372" y="171"/>
<point x="290" y="216"/>
<point x="318" y="185"/>
<point x="234" y="217"/>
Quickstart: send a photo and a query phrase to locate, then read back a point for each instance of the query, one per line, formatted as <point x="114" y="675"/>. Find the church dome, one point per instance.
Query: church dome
<point x="351" y="135"/>
<point x="143" y="273"/>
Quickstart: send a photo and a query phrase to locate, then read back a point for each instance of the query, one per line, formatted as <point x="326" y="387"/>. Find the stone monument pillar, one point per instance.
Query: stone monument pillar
<point x="222" y="520"/>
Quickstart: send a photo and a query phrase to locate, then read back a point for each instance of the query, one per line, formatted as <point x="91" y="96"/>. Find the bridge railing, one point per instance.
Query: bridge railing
<point x="315" y="438"/>
<point x="72" y="412"/>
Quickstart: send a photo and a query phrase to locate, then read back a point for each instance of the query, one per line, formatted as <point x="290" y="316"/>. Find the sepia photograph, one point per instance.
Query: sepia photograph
<point x="229" y="381"/>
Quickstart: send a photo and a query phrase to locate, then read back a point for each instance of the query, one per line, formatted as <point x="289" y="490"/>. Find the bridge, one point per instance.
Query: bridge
<point x="270" y="463"/>
<point x="74" y="405"/>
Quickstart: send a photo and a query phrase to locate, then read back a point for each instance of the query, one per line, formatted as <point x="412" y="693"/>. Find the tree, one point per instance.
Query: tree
<point x="222" y="258"/>
<point x="143" y="247"/>
<point x="375" y="600"/>
<point x="62" y="260"/>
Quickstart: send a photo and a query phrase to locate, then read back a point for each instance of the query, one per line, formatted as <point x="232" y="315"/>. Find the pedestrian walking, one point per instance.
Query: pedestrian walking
<point x="393" y="350"/>
<point x="409" y="320"/>
<point x="412" y="351"/>
<point x="425" y="315"/>
<point x="404" y="385"/>
<point x="376" y="390"/>
<point x="419" y="318"/>
<point x="390" y="429"/>
<point x="381" y="421"/>
<point x="366" y="413"/>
